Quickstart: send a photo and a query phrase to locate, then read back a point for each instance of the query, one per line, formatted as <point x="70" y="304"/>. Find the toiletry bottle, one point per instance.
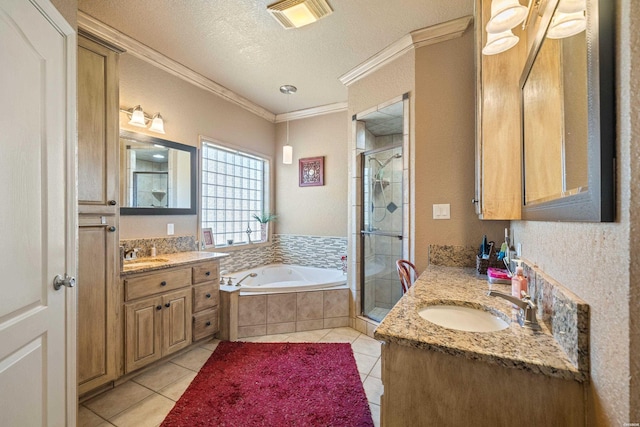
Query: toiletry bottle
<point x="518" y="282"/>
<point x="153" y="250"/>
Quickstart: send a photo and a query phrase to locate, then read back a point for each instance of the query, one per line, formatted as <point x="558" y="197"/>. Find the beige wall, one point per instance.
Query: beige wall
<point x="188" y="112"/>
<point x="598" y="261"/>
<point x="445" y="147"/>
<point x="68" y="9"/>
<point x="321" y="210"/>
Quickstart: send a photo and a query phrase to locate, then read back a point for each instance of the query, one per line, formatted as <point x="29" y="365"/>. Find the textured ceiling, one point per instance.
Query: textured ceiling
<point x="238" y="45"/>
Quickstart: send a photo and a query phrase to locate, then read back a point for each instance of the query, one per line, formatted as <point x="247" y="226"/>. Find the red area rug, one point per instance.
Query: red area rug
<point x="275" y="384"/>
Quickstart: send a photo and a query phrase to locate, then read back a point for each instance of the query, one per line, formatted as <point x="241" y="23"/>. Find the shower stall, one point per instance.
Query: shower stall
<point x="381" y="233"/>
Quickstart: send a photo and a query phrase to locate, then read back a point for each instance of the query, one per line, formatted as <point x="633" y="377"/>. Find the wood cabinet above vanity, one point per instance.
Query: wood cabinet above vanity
<point x="498" y="124"/>
<point x="545" y="125"/>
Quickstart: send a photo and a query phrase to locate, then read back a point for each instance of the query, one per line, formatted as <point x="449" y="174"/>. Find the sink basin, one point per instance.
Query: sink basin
<point x="462" y="318"/>
<point x="130" y="264"/>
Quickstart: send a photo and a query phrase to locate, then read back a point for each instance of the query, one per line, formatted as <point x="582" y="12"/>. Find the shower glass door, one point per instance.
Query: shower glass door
<point x="381" y="229"/>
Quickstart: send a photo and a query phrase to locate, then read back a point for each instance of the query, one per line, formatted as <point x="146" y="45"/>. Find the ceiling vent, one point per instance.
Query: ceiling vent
<point x="298" y="13"/>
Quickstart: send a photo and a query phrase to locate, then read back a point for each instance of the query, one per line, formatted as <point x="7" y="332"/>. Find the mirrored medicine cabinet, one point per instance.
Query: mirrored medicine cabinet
<point x="568" y="121"/>
<point x="157" y="177"/>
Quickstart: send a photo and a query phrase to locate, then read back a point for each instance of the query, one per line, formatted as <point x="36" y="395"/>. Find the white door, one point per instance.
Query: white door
<point x="37" y="218"/>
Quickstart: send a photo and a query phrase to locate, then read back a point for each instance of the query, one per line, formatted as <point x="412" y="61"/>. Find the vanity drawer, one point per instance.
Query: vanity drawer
<point x="155" y="283"/>
<point x="205" y="323"/>
<point x="205" y="296"/>
<point x="206" y="272"/>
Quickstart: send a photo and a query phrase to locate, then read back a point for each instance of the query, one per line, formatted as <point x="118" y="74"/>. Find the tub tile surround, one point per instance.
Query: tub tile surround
<point x="290" y="312"/>
<point x="517" y="347"/>
<point x="309" y="251"/>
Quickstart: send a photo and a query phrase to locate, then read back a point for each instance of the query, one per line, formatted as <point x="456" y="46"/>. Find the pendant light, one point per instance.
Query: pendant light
<point x="287" y="149"/>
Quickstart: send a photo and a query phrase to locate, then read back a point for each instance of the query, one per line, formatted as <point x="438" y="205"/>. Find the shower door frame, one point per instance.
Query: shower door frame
<point x="362" y="231"/>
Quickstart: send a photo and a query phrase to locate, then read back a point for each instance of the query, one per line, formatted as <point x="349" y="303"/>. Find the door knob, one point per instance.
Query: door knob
<point x="65" y="280"/>
<point x="111" y="228"/>
<point x="112" y="202"/>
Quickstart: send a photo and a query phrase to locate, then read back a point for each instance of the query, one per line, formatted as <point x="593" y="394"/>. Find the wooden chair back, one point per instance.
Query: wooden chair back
<point x="407" y="273"/>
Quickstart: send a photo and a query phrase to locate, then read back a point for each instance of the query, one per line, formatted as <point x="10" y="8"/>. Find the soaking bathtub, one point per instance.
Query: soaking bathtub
<point x="280" y="278"/>
<point x="283" y="299"/>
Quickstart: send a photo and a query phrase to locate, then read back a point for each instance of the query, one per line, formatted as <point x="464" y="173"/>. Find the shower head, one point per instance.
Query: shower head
<point x="386" y="162"/>
<point x="376" y="160"/>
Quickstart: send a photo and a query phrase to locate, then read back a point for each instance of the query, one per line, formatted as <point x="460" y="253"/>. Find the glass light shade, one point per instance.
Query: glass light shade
<point x="299" y="15"/>
<point x="287" y="154"/>
<point x="498" y="43"/>
<point x="137" y="117"/>
<point x="571" y="6"/>
<point x="157" y="124"/>
<point x="505" y="14"/>
<point x="566" y="25"/>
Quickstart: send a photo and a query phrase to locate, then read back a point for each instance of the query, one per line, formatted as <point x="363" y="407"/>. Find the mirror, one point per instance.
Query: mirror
<point x="157" y="177"/>
<point x="568" y="126"/>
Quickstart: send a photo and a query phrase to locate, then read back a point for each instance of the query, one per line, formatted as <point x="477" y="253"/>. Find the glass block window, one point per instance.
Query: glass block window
<point x="234" y="188"/>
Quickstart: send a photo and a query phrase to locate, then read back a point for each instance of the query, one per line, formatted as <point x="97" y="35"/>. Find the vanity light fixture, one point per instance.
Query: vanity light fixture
<point x="497" y="43"/>
<point x="157" y="124"/>
<point x="298" y="13"/>
<point x="569" y="19"/>
<point x="287" y="149"/>
<point x="505" y="15"/>
<point x="137" y="117"/>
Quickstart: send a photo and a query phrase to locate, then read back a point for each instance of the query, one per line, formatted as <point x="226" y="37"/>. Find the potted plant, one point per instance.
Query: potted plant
<point x="264" y="219"/>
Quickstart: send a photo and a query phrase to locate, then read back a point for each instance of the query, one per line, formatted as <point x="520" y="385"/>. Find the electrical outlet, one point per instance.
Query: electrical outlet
<point x="170" y="230"/>
<point x="442" y="211"/>
<point x="519" y="250"/>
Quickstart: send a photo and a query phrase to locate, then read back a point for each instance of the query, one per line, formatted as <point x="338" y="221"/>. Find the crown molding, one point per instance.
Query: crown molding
<point x="423" y="37"/>
<point x="114" y="37"/>
<point x="312" y="112"/>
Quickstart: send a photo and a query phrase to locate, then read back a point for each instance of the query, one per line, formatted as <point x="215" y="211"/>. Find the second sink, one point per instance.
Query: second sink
<point x="462" y="318"/>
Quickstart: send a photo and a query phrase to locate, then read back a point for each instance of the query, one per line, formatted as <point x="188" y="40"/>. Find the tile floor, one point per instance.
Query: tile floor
<point x="146" y="399"/>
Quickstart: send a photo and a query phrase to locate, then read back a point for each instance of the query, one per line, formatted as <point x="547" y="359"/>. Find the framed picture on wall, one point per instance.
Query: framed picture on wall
<point x="311" y="171"/>
<point x="207" y="238"/>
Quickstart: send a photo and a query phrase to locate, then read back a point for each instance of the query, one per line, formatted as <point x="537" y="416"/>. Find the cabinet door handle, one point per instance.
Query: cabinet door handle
<point x="111" y="229"/>
<point x="208" y="295"/>
<point x="159" y="307"/>
<point x="112" y="202"/>
<point x="208" y="323"/>
<point x="168" y="305"/>
<point x="163" y="283"/>
<point x="208" y="273"/>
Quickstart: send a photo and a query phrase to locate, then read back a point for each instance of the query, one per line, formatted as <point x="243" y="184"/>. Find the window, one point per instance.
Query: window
<point x="234" y="188"/>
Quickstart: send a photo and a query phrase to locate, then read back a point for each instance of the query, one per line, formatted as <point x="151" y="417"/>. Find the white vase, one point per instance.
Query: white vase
<point x="264" y="231"/>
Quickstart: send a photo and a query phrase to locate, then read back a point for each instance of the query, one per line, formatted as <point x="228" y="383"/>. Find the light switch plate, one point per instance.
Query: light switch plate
<point x="170" y="230"/>
<point x="442" y="211"/>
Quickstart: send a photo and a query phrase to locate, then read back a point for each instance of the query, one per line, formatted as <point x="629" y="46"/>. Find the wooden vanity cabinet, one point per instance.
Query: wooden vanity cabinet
<point x="206" y="300"/>
<point x="158" y="311"/>
<point x="98" y="291"/>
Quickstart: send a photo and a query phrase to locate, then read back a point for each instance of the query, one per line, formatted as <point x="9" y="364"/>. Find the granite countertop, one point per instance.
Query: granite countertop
<point x="515" y="346"/>
<point x="160" y="262"/>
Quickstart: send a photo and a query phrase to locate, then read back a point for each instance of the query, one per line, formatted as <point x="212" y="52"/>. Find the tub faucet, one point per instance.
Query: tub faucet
<point x="525" y="305"/>
<point x="248" y="275"/>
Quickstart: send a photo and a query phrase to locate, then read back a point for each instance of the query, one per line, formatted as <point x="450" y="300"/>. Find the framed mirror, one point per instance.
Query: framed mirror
<point x="568" y="115"/>
<point x="157" y="177"/>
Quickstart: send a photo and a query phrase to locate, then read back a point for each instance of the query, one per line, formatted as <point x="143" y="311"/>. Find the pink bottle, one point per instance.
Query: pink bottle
<point x="518" y="283"/>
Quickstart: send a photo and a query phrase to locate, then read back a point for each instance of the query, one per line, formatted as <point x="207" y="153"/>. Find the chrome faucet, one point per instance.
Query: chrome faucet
<point x="525" y="305"/>
<point x="131" y="253"/>
<point x="248" y="275"/>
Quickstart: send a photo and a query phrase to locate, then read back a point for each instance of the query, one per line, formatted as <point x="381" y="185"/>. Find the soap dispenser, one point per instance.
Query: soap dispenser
<point x="518" y="281"/>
